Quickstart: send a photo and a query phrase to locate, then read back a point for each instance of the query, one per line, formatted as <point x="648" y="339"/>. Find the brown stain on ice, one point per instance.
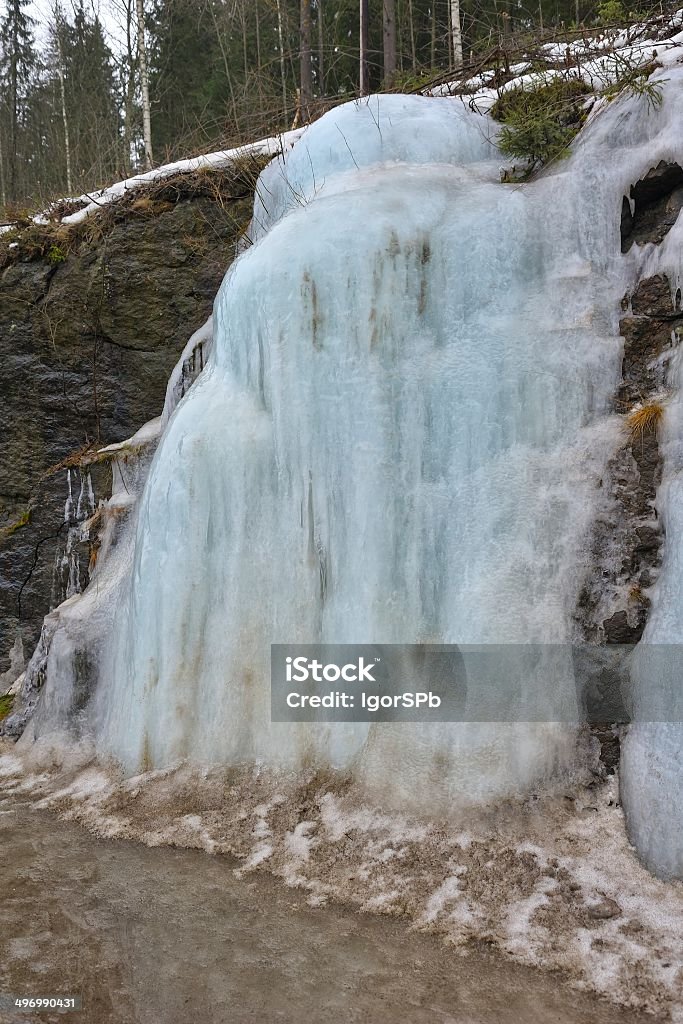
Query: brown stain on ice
<point x="309" y="294"/>
<point x="146" y="763"/>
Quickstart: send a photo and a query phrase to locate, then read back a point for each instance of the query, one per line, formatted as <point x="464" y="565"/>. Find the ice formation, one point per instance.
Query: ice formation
<point x="398" y="435"/>
<point x="78" y="507"/>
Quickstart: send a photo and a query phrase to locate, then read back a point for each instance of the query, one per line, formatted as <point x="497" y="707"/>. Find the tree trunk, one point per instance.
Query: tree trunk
<point x="14" y="114"/>
<point x="245" y="44"/>
<point x="456" y="33"/>
<point x="364" y="66"/>
<point x="321" y="48"/>
<point x="432" y="48"/>
<point x="389" y="38"/>
<point x="413" y="49"/>
<point x="144" y="87"/>
<point x="3" y="192"/>
<point x="57" y="14"/>
<point x="281" y="46"/>
<point x="129" y="94"/>
<point x="65" y="120"/>
<point x="257" y="22"/>
<point x="306" y="75"/>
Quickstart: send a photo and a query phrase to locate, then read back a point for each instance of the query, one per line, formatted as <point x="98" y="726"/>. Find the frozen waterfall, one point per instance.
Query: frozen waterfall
<point x="399" y="437"/>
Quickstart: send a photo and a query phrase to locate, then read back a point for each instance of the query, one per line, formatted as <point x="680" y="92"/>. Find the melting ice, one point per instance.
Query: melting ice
<point x="399" y="436"/>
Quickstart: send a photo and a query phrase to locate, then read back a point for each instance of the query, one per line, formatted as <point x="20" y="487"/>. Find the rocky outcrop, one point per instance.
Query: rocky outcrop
<point x="87" y="342"/>
<point x="628" y="538"/>
<point x="655" y="202"/>
<point x="627" y="545"/>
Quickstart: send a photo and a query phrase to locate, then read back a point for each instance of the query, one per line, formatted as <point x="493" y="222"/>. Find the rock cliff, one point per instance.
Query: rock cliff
<point x="91" y="323"/>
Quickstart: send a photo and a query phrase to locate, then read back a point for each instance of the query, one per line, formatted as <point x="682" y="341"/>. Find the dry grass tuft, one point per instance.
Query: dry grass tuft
<point x="146" y="206"/>
<point x="646" y="419"/>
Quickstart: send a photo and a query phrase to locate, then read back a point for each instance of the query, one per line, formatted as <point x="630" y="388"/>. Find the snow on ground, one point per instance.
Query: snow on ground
<point x="552" y="883"/>
<point x="264" y="147"/>
<point x="94" y="201"/>
<point x="598" y="60"/>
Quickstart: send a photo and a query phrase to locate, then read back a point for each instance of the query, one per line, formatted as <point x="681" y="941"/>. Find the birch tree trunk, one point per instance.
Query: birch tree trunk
<point x="144" y="87"/>
<point x="456" y="33"/>
<point x="57" y="14"/>
<point x="129" y="92"/>
<point x="364" y="67"/>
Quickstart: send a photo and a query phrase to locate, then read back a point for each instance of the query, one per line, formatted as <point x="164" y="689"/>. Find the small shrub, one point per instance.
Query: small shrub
<point x="411" y="81"/>
<point x="634" y="80"/>
<point x="539" y="123"/>
<point x="56" y="255"/>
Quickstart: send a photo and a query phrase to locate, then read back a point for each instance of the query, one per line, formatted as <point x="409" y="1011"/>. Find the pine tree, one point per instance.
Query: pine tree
<point x="189" y="85"/>
<point x="92" y="95"/>
<point x="16" y="66"/>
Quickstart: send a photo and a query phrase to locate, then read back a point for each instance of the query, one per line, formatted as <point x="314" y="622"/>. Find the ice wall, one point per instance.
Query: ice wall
<point x="399" y="436"/>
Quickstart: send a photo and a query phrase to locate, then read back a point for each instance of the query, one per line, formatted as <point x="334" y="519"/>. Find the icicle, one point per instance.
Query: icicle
<point x="68" y="506"/>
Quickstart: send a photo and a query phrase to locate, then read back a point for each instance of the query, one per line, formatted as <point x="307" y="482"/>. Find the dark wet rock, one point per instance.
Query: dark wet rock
<point x="618" y="629"/>
<point x="648" y="345"/>
<point x="87" y="348"/>
<point x="657" y="200"/>
<point x="628" y="536"/>
<point x="610" y="745"/>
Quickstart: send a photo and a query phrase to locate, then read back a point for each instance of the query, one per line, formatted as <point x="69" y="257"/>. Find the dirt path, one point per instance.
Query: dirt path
<point x="165" y="936"/>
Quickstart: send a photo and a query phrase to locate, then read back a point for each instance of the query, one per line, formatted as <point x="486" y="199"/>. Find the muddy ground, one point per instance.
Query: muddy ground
<point x="169" y="936"/>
